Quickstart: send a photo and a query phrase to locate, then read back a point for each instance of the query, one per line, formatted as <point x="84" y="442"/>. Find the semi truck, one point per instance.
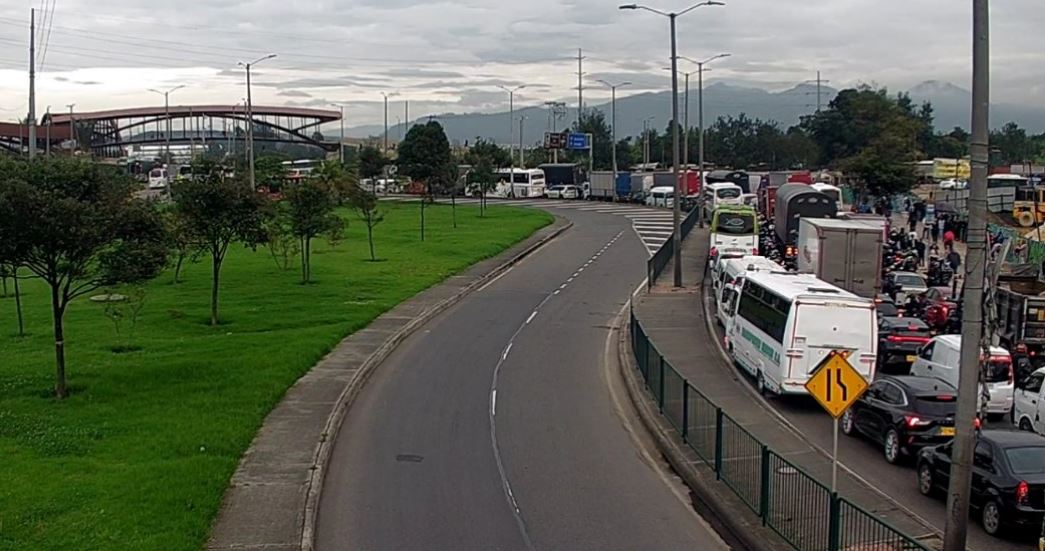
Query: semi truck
<point x="844" y="253"/>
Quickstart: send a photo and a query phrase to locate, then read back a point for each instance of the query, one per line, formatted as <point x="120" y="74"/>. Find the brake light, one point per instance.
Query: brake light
<point x="945" y="398"/>
<point x="915" y="421"/>
<point x="897" y="338"/>
<point x="976" y="423"/>
<point x="1022" y="491"/>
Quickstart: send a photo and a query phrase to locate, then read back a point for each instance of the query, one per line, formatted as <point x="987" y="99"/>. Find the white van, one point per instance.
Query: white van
<point x="661" y="196"/>
<point x="1028" y="403"/>
<point x="158" y="178"/>
<point x="721" y="193"/>
<point x="941" y="358"/>
<point x="786" y="323"/>
<point x="834" y="192"/>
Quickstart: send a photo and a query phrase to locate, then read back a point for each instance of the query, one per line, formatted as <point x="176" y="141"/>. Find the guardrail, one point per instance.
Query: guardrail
<point x="798" y="507"/>
<point x="660" y="259"/>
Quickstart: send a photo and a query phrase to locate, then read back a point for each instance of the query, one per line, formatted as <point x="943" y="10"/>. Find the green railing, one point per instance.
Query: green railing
<point x="803" y="511"/>
<point x="660" y="259"/>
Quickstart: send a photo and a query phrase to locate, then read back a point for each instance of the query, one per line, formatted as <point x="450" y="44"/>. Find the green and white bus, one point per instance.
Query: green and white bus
<point x="784" y="324"/>
<point x="734" y="231"/>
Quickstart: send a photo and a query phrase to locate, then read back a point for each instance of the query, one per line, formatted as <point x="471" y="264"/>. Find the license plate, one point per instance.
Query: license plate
<point x="946" y="431"/>
<point x="911" y="358"/>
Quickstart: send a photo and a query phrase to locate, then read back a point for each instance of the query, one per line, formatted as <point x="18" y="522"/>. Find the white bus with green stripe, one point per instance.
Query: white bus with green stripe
<point x="785" y="323"/>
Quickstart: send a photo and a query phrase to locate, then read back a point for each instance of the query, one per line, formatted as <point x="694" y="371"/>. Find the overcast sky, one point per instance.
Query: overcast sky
<point x="449" y="56"/>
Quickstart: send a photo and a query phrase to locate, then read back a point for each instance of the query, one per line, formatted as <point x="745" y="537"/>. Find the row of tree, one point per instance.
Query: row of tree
<point x="79" y="227"/>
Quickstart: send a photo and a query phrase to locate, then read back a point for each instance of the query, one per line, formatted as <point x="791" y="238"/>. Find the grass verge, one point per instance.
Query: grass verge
<point x="140" y="454"/>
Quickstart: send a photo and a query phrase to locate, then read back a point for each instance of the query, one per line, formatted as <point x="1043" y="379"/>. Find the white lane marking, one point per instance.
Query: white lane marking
<point x="532" y="315"/>
<point x="556" y="291"/>
<point x="563" y="286"/>
<point x="493" y="402"/>
<point x="581" y="269"/>
<point x="569" y="280"/>
<point x="506" y="351"/>
<point x="575" y="274"/>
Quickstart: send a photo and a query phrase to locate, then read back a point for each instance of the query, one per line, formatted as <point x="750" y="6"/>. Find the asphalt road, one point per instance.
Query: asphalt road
<point x="499" y="424"/>
<point x="865" y="458"/>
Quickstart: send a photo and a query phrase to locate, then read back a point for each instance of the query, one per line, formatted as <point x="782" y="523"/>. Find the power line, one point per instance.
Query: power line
<point x="47" y="39"/>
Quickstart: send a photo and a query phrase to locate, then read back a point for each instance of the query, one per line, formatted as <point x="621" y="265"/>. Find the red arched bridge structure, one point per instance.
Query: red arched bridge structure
<point x="107" y="133"/>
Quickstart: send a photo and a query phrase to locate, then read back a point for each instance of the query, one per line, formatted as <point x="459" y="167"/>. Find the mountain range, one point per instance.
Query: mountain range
<point x="951" y="106"/>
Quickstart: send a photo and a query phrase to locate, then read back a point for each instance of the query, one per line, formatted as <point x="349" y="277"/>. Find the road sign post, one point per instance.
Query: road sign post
<point x="836" y="384"/>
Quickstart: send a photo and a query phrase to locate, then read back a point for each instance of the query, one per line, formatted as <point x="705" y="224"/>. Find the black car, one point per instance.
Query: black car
<point x="899" y="340"/>
<point x="1008" y="479"/>
<point x="885" y="307"/>
<point x="904" y="414"/>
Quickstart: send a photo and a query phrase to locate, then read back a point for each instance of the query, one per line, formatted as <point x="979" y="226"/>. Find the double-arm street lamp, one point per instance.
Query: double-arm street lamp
<point x="167" y="114"/>
<point x="613" y="123"/>
<point x="250" y="117"/>
<point x="700" y="119"/>
<point x="676" y="209"/>
<point x="341" y="142"/>
<point x="511" y="123"/>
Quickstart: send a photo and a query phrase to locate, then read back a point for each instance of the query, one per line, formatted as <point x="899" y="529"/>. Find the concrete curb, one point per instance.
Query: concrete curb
<point x="728" y="511"/>
<point x="334" y="421"/>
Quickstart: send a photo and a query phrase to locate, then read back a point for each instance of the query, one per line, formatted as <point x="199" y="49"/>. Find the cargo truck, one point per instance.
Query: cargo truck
<point x="1021" y="311"/>
<point x="844" y="253"/>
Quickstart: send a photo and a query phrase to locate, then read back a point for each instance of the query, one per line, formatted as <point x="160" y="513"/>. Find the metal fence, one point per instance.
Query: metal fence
<point x="803" y="511"/>
<point x="660" y="259"/>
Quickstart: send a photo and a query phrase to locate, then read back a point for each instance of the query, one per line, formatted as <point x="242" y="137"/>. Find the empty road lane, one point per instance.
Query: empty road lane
<point x="495" y="426"/>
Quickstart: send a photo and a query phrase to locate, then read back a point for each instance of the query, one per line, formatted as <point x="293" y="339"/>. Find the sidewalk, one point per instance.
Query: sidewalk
<point x="674" y="321"/>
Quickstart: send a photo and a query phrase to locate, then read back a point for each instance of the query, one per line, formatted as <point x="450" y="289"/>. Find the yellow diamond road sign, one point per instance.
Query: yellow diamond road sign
<point x="835" y="383"/>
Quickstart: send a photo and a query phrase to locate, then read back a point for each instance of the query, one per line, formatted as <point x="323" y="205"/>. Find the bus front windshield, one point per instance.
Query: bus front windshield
<point x="733" y="223"/>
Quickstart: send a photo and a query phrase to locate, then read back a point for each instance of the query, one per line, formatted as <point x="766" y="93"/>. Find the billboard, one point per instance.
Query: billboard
<point x="945" y="169"/>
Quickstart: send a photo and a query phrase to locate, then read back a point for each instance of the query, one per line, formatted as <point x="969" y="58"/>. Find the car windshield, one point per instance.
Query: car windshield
<point x="886" y="308"/>
<point x="727" y="193"/>
<point x="1026" y="460"/>
<point x="734" y="224"/>
<point x="910" y="280"/>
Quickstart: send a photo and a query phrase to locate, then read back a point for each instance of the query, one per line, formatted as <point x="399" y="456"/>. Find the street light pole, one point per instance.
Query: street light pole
<point x="954" y="536"/>
<point x="676" y="203"/>
<point x="613" y="125"/>
<point x="700" y="126"/>
<point x="47" y="145"/>
<point x="72" y="127"/>
<point x="386" y="123"/>
<point x="341" y="143"/>
<point x="511" y="131"/>
<point x="167" y="115"/>
<point x="250" y="118"/>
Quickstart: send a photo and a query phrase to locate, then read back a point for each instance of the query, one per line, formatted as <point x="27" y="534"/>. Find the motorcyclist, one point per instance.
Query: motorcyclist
<point x="915" y="305"/>
<point x="1021" y="363"/>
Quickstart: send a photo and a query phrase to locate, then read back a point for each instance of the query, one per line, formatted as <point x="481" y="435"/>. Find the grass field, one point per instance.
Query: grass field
<point x="139" y="455"/>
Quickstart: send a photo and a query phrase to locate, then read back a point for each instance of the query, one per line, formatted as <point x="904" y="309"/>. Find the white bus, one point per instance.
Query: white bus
<point x="785" y="323"/>
<point x="834" y="192"/>
<point x="728" y="277"/>
<point x="525" y="182"/>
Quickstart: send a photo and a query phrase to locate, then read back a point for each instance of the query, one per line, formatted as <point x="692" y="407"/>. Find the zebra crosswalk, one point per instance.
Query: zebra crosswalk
<point x="652" y="225"/>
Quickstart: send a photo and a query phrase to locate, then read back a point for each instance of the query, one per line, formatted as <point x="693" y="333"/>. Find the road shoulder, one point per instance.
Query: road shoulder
<point x="272" y="498"/>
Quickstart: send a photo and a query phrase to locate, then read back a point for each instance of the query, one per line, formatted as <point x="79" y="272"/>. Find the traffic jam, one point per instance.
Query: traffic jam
<point x="797" y="276"/>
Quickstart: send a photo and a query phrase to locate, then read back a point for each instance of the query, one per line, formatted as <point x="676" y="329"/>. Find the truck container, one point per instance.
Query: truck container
<point x="767" y="187"/>
<point x="844" y="253"/>
<point x="1021" y="310"/>
<point x="738" y="177"/>
<point x="795" y="202"/>
<point x="603" y="188"/>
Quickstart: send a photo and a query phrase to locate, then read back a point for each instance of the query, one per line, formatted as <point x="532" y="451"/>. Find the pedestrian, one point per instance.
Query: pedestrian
<point x="907" y="204"/>
<point x="948" y="239"/>
<point x="912" y="220"/>
<point x="919" y="246"/>
<point x="934" y="230"/>
<point x="954" y="260"/>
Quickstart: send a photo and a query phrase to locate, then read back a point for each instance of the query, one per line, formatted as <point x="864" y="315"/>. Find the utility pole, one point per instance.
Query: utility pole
<point x="700" y="126"/>
<point x="72" y="126"/>
<point x="31" y="120"/>
<point x="386" y="124"/>
<point x="406" y="116"/>
<point x="47" y="145"/>
<point x="341" y="143"/>
<point x="250" y="119"/>
<point x="580" y="88"/>
<point x="685" y="125"/>
<point x="613" y="125"/>
<point x="954" y="537"/>
<point x="819" y="82"/>
<point x="522" y="153"/>
<point x="511" y="132"/>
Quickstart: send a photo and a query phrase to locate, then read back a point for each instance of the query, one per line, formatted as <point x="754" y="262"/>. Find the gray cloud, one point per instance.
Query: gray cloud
<point x="294" y="94"/>
<point x="426" y="73"/>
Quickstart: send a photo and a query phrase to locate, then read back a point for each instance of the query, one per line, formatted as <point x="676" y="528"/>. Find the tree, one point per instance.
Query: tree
<point x="9" y="265"/>
<point x="366" y="206"/>
<point x="76" y="225"/>
<point x="1014" y="145"/>
<point x="481" y="179"/>
<point x="181" y="239"/>
<point x="280" y="240"/>
<point x="425" y="155"/>
<point x="268" y="171"/>
<point x="338" y="179"/>
<point x="311" y="214"/>
<point x="871" y="136"/>
<point x="219" y="211"/>
<point x="371" y="163"/>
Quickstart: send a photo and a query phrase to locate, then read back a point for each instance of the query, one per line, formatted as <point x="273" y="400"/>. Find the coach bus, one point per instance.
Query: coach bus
<point x="785" y="323"/>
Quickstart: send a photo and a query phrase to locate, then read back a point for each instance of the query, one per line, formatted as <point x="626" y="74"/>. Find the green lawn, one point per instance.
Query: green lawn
<point x="139" y="455"/>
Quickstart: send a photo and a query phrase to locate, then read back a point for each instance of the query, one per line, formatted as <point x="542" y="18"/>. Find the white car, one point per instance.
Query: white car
<point x="562" y="192"/>
<point x="911" y="284"/>
<point x="1028" y="403"/>
<point x="954" y="184"/>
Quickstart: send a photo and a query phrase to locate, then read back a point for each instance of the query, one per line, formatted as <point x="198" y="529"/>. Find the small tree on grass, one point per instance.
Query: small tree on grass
<point x="9" y="270"/>
<point x="182" y="241"/>
<point x="280" y="240"/>
<point x="219" y="212"/>
<point x="366" y="205"/>
<point x="481" y="180"/>
<point x="425" y="155"/>
<point x="311" y="212"/>
<point x="121" y="308"/>
<point x="371" y="164"/>
<point x="76" y="225"/>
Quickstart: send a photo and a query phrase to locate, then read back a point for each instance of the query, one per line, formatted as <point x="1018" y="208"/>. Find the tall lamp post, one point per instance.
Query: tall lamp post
<point x="72" y="127"/>
<point x="676" y="203"/>
<point x="511" y="131"/>
<point x="613" y="124"/>
<point x="167" y="115"/>
<point x="341" y="143"/>
<point x="250" y="117"/>
<point x="700" y="123"/>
